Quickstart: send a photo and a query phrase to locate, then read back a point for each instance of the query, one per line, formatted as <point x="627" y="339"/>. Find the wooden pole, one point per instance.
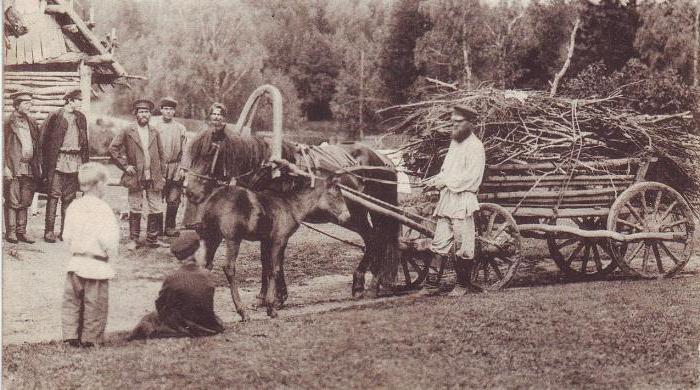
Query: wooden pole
<point x="86" y="88"/>
<point x="362" y="94"/>
<point x="696" y="51"/>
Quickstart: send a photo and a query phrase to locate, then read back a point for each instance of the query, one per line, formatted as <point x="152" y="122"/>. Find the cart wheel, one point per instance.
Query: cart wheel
<point x="583" y="258"/>
<point x="498" y="240"/>
<point x="414" y="263"/>
<point x="652" y="207"/>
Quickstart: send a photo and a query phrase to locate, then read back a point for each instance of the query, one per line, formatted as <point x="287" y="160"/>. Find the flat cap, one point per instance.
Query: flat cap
<point x="465" y="112"/>
<point x="185" y="245"/>
<point x="168" y="102"/>
<point x="73" y="94"/>
<point x="21" y="96"/>
<point x="143" y="103"/>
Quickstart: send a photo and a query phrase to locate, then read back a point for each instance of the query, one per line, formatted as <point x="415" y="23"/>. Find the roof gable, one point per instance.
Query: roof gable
<point x="57" y="35"/>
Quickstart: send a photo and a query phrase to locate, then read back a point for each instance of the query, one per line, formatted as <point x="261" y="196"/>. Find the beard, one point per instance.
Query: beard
<point x="142" y="121"/>
<point x="461" y="133"/>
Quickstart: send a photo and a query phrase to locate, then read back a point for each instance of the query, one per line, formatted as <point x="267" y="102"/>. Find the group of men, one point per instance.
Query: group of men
<point x="150" y="152"/>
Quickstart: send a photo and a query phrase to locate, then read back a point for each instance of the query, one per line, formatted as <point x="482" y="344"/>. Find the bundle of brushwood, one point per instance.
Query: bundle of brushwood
<point x="519" y="127"/>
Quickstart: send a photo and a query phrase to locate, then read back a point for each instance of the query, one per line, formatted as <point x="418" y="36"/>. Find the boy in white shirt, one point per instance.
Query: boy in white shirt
<point x="92" y="232"/>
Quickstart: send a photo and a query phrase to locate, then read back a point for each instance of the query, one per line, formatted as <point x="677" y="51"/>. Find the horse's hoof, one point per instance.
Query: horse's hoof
<point x="272" y="313"/>
<point x="244" y="317"/>
<point x="371" y="294"/>
<point x="358" y="293"/>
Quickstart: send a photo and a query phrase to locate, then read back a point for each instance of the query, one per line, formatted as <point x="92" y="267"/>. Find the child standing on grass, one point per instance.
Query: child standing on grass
<point x="92" y="232"/>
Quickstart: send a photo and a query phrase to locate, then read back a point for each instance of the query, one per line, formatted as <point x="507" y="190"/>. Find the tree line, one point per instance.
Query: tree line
<point x="345" y="59"/>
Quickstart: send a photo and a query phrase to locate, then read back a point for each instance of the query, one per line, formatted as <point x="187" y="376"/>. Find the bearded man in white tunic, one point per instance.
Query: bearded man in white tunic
<point x="458" y="181"/>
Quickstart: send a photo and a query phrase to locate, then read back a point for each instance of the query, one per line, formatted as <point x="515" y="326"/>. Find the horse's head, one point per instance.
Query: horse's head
<point x="332" y="202"/>
<point x="199" y="183"/>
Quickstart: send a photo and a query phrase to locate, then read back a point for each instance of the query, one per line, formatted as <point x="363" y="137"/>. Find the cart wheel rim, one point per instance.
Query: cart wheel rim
<point x="583" y="258"/>
<point x="656" y="208"/>
<point x="498" y="248"/>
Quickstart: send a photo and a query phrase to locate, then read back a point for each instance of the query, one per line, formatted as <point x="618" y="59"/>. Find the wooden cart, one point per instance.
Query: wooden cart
<point x="595" y="216"/>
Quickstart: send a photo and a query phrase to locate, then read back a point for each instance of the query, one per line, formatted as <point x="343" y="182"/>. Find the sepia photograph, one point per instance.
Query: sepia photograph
<point x="335" y="194"/>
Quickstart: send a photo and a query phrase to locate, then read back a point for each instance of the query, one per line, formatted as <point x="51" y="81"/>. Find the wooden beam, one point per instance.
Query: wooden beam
<point x="55" y="9"/>
<point x="71" y="28"/>
<point x="99" y="59"/>
<point x="39" y="73"/>
<point x="615" y="162"/>
<point x="91" y="37"/>
<point x="564" y="213"/>
<point x="86" y="89"/>
<point x="680" y="237"/>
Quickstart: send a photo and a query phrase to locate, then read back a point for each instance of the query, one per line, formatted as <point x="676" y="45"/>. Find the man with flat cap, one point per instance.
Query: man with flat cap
<point x="205" y="145"/>
<point x="138" y="151"/>
<point x="65" y="148"/>
<point x="173" y="137"/>
<point x="458" y="181"/>
<point x="22" y="166"/>
<point x="185" y="304"/>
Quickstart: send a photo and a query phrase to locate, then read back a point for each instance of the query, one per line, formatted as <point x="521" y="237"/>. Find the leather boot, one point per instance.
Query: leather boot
<point x="50" y="221"/>
<point x="462" y="277"/>
<point x="134" y="230"/>
<point x="21" y="231"/>
<point x="64" y="206"/>
<point x="431" y="286"/>
<point x="152" y="231"/>
<point x="11" y="235"/>
<point x="170" y="215"/>
<point x="159" y="224"/>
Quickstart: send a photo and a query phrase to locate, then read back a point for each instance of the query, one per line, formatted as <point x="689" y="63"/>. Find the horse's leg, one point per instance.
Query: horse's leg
<point x="276" y="258"/>
<point x="265" y="263"/>
<point x="281" y="286"/>
<point x="232" y="247"/>
<point x="211" y="242"/>
<point x="360" y="224"/>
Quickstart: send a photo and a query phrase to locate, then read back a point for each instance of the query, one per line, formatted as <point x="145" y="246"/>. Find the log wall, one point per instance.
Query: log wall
<point x="48" y="89"/>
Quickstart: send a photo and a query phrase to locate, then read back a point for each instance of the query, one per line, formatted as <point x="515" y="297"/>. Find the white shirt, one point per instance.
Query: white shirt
<point x="461" y="173"/>
<point x="144" y="136"/>
<point x="91" y="228"/>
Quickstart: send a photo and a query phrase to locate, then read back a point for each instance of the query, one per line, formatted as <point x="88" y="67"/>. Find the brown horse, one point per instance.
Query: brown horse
<point x="243" y="159"/>
<point x="236" y="214"/>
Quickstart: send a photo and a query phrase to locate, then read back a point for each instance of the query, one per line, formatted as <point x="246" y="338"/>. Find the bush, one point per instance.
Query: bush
<point x="644" y="90"/>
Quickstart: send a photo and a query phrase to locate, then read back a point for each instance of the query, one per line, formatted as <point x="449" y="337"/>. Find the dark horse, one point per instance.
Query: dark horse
<point x="236" y="213"/>
<point x="243" y="158"/>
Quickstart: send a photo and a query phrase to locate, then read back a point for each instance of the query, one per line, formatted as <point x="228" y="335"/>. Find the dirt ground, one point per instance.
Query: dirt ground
<point x="318" y="270"/>
<point x="33" y="279"/>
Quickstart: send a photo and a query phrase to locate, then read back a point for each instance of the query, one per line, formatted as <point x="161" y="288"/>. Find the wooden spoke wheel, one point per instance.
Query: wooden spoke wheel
<point x="579" y="257"/>
<point x="652" y="208"/>
<point x="415" y="259"/>
<point x="498" y="248"/>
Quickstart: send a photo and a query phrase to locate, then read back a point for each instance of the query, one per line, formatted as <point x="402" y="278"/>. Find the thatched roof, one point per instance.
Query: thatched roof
<point x="58" y="36"/>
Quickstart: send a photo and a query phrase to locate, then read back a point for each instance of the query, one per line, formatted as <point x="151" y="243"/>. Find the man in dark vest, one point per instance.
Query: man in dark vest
<point x="143" y="164"/>
<point x="22" y="166"/>
<point x="185" y="304"/>
<point x="65" y="149"/>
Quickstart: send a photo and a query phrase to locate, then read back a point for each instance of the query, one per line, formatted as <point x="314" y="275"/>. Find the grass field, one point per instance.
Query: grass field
<point x="610" y="334"/>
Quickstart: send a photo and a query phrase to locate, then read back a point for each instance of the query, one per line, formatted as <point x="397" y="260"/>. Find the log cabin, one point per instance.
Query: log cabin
<point x="58" y="51"/>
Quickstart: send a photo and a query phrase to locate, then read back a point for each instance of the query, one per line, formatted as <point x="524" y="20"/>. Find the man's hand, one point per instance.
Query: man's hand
<point x="433" y="183"/>
<point x="7" y="173"/>
<point x="130" y="170"/>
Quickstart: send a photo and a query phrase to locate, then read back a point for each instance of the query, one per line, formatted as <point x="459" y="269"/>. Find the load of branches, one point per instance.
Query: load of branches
<point x="519" y="127"/>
